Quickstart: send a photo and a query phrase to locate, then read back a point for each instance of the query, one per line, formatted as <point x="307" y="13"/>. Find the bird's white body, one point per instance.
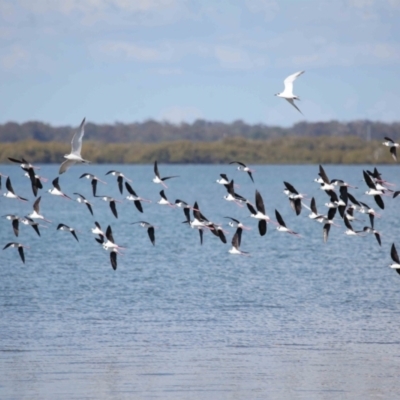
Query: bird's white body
<point x="56" y="192"/>
<point x="287" y="93"/>
<point x="76" y="147"/>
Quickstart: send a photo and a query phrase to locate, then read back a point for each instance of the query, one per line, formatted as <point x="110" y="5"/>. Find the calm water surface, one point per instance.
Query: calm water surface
<point x="298" y="319"/>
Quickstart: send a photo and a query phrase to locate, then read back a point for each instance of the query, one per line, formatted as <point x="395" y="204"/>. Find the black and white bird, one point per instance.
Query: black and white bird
<point x="366" y="209"/>
<point x="324" y="181"/>
<point x="31" y="222"/>
<point x="294" y="196"/>
<point x="14" y="222"/>
<point x="199" y="221"/>
<point x="120" y="178"/>
<point x="327" y="221"/>
<point x="236" y="241"/>
<point x="112" y="202"/>
<point x="66" y="228"/>
<point x="135" y="198"/>
<point x="223" y="180"/>
<point x="93" y="180"/>
<point x="377" y="234"/>
<point x="76" y="147"/>
<point x="244" y="168"/>
<point x="82" y="199"/>
<point x="282" y="226"/>
<point x="259" y="214"/>
<point x="341" y="183"/>
<point x="395" y="258"/>
<point x="36" y="184"/>
<point x="392" y="147"/>
<point x="35" y="214"/>
<point x="235" y="223"/>
<point x="338" y="202"/>
<point x="97" y="229"/>
<point x="287" y="93"/>
<point x="186" y="208"/>
<point x="373" y="190"/>
<point x="218" y="231"/>
<point x="20" y="248"/>
<point x="350" y="230"/>
<point x="10" y="192"/>
<point x="25" y="165"/>
<point x="314" y="212"/>
<point x="150" y="230"/>
<point x="158" y="179"/>
<point x="56" y="190"/>
<point x="110" y="246"/>
<point x="232" y="196"/>
<point x="164" y="201"/>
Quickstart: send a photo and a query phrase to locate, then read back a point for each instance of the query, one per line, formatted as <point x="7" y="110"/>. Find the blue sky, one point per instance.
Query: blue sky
<point x="179" y="60"/>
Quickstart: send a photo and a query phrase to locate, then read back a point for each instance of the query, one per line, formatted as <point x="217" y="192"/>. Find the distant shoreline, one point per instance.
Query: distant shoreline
<point x="279" y="151"/>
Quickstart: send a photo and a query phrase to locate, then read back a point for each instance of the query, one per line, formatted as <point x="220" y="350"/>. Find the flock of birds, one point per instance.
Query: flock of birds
<point x="341" y="201"/>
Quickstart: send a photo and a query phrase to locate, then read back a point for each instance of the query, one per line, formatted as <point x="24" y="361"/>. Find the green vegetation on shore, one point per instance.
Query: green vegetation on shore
<point x="284" y="150"/>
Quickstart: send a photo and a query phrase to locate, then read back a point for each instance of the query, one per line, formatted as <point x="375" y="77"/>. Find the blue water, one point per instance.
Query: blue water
<point x="297" y="319"/>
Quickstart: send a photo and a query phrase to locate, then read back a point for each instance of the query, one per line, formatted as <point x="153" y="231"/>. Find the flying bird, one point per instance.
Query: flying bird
<point x="223" y="180"/>
<point x="14" y="221"/>
<point x="164" y="201"/>
<point x="63" y="227"/>
<point x="135" y="198"/>
<point x="97" y="229"/>
<point x="20" y="248"/>
<point x="244" y="167"/>
<point x="324" y="181"/>
<point x="232" y="196"/>
<point x="82" y="199"/>
<point x="120" y="178"/>
<point x="94" y="180"/>
<point x="350" y="230"/>
<point x="111" y="246"/>
<point x="235" y="223"/>
<point x="393" y="146"/>
<point x="377" y="235"/>
<point x="259" y="214"/>
<point x="186" y="208"/>
<point x="35" y="181"/>
<point x="56" y="190"/>
<point x="150" y="230"/>
<point x="294" y="197"/>
<point x="112" y="202"/>
<point x="282" y="226"/>
<point x="158" y="179"/>
<point x="32" y="223"/>
<point x="395" y="258"/>
<point x="287" y="93"/>
<point x="236" y="239"/>
<point x="25" y="165"/>
<point x="199" y="221"/>
<point x="10" y="191"/>
<point x="35" y="214"/>
<point x="373" y="190"/>
<point x="76" y="147"/>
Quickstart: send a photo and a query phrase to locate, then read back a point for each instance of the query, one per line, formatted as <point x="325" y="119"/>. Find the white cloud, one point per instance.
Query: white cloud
<point x="336" y="54"/>
<point x="268" y="8"/>
<point x="385" y="109"/>
<point x="178" y="114"/>
<point x="90" y="6"/>
<point x="134" y="51"/>
<point x="14" y="57"/>
<point x="168" y="71"/>
<point x="236" y="58"/>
